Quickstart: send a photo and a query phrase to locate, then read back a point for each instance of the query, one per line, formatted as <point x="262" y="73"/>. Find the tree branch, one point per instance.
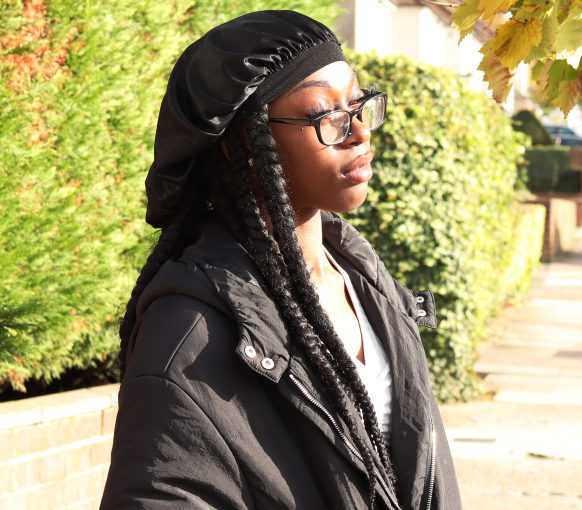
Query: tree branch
<point x="443" y="4"/>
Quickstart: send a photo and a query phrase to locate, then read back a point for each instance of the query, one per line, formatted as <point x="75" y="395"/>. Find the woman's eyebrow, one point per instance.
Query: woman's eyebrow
<point x="316" y="83"/>
<point x="311" y="83"/>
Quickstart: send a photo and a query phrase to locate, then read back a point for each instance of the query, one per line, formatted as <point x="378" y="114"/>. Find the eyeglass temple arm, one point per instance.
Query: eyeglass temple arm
<point x="296" y="122"/>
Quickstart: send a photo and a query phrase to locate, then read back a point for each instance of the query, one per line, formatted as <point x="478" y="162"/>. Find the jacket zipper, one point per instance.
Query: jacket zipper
<point x="305" y="392"/>
<point x="432" y="459"/>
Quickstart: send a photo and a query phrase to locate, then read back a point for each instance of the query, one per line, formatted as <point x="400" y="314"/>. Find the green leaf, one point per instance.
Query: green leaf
<point x="569" y="37"/>
<point x="537" y="69"/>
<point x="546" y="46"/>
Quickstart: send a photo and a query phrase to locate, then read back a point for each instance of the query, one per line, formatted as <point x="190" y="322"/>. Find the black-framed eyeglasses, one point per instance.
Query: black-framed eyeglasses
<point x="334" y="127"/>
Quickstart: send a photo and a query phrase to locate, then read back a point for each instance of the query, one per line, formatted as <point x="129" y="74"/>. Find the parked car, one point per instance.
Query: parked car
<point x="563" y="135"/>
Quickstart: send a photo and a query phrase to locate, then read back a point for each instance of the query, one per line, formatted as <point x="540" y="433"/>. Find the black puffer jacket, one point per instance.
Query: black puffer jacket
<point x="219" y="410"/>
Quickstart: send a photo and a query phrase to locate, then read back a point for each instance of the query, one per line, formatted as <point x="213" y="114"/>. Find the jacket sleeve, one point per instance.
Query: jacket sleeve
<point x="167" y="454"/>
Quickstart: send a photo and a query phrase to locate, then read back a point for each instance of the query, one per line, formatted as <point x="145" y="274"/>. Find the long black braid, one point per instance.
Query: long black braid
<point x="279" y="258"/>
<point x="272" y="182"/>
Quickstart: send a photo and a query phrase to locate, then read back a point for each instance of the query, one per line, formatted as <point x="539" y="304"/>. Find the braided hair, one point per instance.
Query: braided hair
<point x="265" y="227"/>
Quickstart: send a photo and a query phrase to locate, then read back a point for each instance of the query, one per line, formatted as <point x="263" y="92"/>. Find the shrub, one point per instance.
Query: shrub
<point x="440" y="210"/>
<point x="549" y="167"/>
<point x="81" y="86"/>
<point x="524" y="249"/>
<point x="545" y="164"/>
<point x="569" y="181"/>
<point x="526" y="122"/>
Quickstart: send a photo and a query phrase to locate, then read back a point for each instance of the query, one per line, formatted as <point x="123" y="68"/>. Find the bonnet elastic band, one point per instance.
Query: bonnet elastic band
<point x="263" y="53"/>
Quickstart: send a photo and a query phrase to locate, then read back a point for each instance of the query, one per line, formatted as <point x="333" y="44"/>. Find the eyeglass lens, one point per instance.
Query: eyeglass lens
<point x="335" y="126"/>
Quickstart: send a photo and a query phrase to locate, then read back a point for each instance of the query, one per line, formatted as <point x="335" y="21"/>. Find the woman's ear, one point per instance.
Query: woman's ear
<point x="224" y="149"/>
<point x="246" y="142"/>
<point x="245" y="138"/>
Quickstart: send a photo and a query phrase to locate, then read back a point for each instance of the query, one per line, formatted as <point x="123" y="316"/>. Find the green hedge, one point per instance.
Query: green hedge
<point x="569" y="181"/>
<point x="549" y="167"/>
<point x="81" y="86"/>
<point x="545" y="166"/>
<point x="524" y="249"/>
<point x="441" y="209"/>
<point x="527" y="122"/>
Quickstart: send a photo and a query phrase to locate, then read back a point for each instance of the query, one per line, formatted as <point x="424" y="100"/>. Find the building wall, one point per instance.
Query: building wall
<point x="432" y="38"/>
<point x="345" y="27"/>
<point x="417" y="32"/>
<point x="405" y="32"/>
<point x="561" y="220"/>
<point x="373" y="24"/>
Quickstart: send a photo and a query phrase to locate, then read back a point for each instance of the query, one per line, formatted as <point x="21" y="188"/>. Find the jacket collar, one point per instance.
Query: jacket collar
<point x="348" y="246"/>
<point x="217" y="270"/>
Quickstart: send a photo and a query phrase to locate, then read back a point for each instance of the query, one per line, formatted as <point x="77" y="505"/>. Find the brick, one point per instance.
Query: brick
<point x="81" y="486"/>
<point x="78" y="491"/>
<point x="43" y="436"/>
<point x="108" y="420"/>
<point x="58" y="406"/>
<point x="87" y="504"/>
<point x="29" y="470"/>
<point x="72" y="403"/>
<point x="19" y="413"/>
<point x="111" y="390"/>
<point x="100" y="453"/>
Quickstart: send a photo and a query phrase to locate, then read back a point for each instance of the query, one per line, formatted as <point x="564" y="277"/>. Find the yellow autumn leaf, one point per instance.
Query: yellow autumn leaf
<point x="569" y="94"/>
<point x="465" y="17"/>
<point x="541" y="77"/>
<point x="533" y="9"/>
<point x="569" y="37"/>
<point x="498" y="76"/>
<point x="490" y="8"/>
<point x="514" y="41"/>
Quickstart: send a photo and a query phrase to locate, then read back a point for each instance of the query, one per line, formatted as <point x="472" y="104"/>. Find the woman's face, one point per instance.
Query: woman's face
<point x="319" y="177"/>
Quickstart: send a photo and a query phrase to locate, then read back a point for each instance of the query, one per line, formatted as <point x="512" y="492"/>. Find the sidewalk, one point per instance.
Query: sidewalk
<point x="522" y="448"/>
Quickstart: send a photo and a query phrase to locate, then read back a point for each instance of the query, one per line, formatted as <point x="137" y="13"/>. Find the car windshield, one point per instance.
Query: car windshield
<point x="560" y="130"/>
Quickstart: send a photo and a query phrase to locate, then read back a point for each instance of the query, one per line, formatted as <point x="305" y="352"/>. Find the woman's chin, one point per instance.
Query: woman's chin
<point x="354" y="199"/>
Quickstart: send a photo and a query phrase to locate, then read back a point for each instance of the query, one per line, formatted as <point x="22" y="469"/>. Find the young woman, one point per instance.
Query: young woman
<point x="269" y="361"/>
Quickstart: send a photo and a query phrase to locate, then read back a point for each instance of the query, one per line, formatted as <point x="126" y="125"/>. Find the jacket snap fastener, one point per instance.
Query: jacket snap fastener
<point x="267" y="363"/>
<point x="419" y="299"/>
<point x="250" y="351"/>
<point x="421" y="313"/>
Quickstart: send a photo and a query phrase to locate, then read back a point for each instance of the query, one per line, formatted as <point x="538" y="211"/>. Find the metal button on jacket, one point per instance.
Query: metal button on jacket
<point x="250" y="351"/>
<point x="421" y="313"/>
<point x="267" y="363"/>
<point x="419" y="299"/>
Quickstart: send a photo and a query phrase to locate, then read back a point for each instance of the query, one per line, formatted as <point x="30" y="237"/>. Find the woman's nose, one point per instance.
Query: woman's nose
<point x="359" y="133"/>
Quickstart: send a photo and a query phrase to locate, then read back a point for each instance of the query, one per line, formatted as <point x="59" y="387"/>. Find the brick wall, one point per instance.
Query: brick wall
<point x="55" y="450"/>
<point x="576" y="198"/>
<point x="562" y="219"/>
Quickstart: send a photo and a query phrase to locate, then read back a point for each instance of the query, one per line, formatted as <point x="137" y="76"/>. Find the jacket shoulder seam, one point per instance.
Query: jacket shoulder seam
<point x="184" y="337"/>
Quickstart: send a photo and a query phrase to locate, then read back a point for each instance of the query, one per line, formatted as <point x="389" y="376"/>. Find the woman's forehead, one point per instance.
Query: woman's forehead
<point x="334" y="81"/>
<point x="337" y="75"/>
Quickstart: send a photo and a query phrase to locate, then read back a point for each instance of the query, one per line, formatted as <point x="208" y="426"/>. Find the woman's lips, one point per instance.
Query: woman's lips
<point x="359" y="170"/>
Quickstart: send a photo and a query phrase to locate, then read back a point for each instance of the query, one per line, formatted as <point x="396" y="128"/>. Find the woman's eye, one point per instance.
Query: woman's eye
<point x="359" y="99"/>
<point x="317" y="111"/>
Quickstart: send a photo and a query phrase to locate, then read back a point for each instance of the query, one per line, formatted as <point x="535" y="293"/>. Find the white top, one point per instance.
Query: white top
<point x="375" y="373"/>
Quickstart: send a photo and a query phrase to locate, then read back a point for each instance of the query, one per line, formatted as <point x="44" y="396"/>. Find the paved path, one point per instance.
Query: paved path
<point x="521" y="447"/>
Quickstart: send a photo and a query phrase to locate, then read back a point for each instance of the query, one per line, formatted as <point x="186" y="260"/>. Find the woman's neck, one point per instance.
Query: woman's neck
<point x="310" y="237"/>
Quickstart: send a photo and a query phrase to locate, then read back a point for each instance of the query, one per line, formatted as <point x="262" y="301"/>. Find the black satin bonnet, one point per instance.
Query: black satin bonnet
<point x="263" y="53"/>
